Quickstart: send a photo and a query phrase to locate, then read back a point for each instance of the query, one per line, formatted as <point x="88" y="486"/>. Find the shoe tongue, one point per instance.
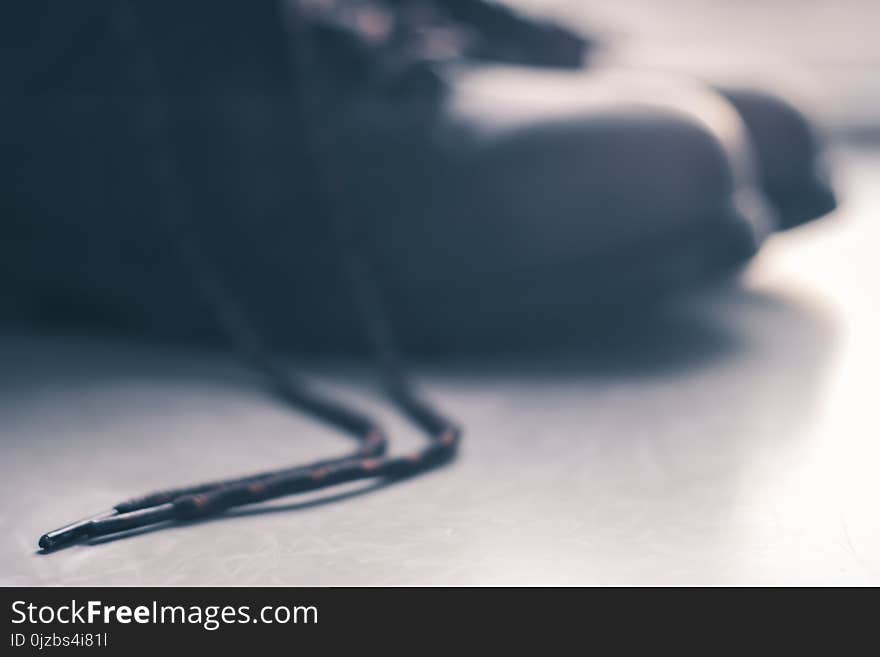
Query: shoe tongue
<point x="391" y="43"/>
<point x="371" y="45"/>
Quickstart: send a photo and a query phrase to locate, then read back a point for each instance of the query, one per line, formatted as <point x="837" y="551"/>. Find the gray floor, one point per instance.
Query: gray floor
<point x="732" y="439"/>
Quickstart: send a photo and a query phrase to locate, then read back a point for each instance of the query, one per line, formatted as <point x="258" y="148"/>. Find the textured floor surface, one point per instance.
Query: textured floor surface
<point x="732" y="439"/>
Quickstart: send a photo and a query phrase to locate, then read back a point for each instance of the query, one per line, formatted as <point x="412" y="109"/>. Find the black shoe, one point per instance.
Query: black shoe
<point x="487" y="208"/>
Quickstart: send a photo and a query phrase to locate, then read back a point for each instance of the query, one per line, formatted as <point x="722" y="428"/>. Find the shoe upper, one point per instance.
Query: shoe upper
<point x="485" y="158"/>
<point x="483" y="192"/>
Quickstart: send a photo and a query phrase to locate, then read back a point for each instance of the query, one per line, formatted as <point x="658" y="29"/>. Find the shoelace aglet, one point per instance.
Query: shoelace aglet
<point x="71" y="533"/>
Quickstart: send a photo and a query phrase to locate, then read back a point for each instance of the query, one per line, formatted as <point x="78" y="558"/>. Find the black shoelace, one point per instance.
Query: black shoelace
<point x="369" y="460"/>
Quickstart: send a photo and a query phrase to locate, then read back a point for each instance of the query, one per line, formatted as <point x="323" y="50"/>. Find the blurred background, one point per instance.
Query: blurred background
<point x="728" y="437"/>
<point x="828" y="48"/>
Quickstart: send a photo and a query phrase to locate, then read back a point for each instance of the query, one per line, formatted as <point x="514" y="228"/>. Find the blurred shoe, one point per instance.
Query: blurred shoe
<point x="792" y="168"/>
<point x="497" y="200"/>
<point x="494" y="200"/>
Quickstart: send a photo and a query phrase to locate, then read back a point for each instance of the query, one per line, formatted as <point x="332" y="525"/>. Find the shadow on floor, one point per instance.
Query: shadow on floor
<point x="773" y="349"/>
